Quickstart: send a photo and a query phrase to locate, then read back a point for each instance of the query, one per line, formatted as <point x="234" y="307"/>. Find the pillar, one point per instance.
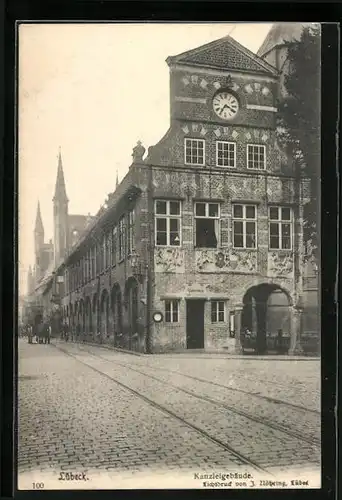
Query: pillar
<point x="237" y="328"/>
<point x="295" y="347"/>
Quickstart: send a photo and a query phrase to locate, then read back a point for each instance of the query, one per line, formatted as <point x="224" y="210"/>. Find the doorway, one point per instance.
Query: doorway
<point x="195" y="324"/>
<point x="266" y="315"/>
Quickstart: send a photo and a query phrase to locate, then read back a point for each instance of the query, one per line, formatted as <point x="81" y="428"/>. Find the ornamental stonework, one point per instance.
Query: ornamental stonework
<point x="169" y="260"/>
<point x="226" y="261"/>
<point x="280" y="264"/>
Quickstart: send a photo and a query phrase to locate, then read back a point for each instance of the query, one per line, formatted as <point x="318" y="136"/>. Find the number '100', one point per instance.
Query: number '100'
<point x="38" y="486"/>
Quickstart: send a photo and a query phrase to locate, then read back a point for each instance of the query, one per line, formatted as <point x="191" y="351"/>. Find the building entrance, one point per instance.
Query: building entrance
<point x="265" y="321"/>
<point x="195" y="324"/>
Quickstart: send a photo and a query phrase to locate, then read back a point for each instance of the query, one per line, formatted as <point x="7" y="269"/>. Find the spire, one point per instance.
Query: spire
<point x="39" y="228"/>
<point x="60" y="191"/>
<point x="117" y="179"/>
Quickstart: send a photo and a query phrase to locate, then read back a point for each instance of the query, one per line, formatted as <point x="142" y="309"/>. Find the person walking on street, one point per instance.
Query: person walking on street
<point x="48" y="334"/>
<point x="29" y="334"/>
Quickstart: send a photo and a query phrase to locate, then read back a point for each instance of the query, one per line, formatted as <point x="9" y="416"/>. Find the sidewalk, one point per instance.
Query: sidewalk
<point x="195" y="353"/>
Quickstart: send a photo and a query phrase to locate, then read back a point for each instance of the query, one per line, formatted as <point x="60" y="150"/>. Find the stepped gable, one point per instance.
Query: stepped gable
<point x="225" y="53"/>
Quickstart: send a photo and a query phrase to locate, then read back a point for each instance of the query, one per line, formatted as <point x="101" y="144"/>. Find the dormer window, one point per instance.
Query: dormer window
<point x="194" y="150"/>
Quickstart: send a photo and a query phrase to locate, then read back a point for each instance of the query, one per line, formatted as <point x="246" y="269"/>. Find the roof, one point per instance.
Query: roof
<point x="279" y="34"/>
<point x="225" y="53"/>
<point x="96" y="223"/>
<point x="47" y="275"/>
<point x="78" y="223"/>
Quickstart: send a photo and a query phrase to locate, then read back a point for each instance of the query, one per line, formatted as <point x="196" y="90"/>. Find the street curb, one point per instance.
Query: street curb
<point x="103" y="346"/>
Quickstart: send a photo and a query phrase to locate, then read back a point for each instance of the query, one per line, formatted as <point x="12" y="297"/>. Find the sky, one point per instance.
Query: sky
<point x="94" y="90"/>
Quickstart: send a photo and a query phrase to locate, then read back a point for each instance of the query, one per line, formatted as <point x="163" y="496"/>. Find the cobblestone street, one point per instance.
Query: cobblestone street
<point x="123" y="421"/>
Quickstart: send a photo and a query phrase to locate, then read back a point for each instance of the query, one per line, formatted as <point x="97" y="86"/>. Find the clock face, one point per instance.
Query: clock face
<point x="225" y="105"/>
<point x="157" y="317"/>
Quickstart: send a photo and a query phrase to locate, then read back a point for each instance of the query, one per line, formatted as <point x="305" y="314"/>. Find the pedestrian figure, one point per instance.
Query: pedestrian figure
<point x="280" y="340"/>
<point x="47" y="334"/>
<point x="66" y="332"/>
<point x="30" y="334"/>
<point x="78" y="332"/>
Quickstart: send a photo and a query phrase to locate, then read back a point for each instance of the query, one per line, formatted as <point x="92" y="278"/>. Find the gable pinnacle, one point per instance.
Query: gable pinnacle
<point x="60" y="190"/>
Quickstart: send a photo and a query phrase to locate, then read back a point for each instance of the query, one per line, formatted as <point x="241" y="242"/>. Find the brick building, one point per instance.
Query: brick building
<point x="206" y="230"/>
<point x="203" y="238"/>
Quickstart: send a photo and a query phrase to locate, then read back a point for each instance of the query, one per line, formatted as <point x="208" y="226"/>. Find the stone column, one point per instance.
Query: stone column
<point x="237" y="328"/>
<point x="295" y="347"/>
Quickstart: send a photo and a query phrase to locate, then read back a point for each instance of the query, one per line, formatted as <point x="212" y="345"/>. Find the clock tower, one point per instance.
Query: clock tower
<point x="221" y="91"/>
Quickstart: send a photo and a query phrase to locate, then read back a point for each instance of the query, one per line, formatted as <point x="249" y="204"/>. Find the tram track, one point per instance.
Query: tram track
<point x="263" y="421"/>
<point x="242" y="458"/>
<point x="242" y="391"/>
<point x="234" y="389"/>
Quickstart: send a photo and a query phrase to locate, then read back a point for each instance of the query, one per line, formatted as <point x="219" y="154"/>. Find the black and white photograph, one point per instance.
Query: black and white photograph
<point x="169" y="256"/>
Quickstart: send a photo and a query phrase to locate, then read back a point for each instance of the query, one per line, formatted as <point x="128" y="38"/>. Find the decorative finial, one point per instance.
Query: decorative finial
<point x="138" y="152"/>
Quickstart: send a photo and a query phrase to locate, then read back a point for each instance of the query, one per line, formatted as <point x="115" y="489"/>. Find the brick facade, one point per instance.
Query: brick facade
<point x="149" y="276"/>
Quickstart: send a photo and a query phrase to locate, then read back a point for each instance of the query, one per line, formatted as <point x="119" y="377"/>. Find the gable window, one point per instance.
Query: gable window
<point x="280" y="228"/>
<point x="167" y="222"/>
<point x="244" y="226"/>
<point x="218" y="311"/>
<point x="194" y="151"/>
<point x="225" y="154"/>
<point x="171" y="311"/>
<point x="207" y="222"/>
<point x="256" y="156"/>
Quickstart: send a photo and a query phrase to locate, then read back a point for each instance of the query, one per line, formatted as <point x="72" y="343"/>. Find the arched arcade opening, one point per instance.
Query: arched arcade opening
<point x="266" y="319"/>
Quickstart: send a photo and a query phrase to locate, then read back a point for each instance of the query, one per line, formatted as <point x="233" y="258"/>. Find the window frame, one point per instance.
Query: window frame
<point x="207" y="216"/>
<point x="204" y="151"/>
<point x="217" y="150"/>
<point x="167" y="216"/>
<point x="217" y="311"/>
<point x="114" y="250"/>
<point x="130" y="231"/>
<point x="244" y="221"/>
<point x="280" y="222"/>
<point x="172" y="302"/>
<point x="247" y="151"/>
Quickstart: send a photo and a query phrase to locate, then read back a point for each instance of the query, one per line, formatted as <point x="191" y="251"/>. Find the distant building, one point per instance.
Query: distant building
<point x="47" y="256"/>
<point x="66" y="228"/>
<point x="203" y="238"/>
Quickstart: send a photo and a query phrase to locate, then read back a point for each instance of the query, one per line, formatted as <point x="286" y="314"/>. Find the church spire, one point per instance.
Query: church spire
<point x="39" y="228"/>
<point x="60" y="190"/>
<point x="117" y="179"/>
